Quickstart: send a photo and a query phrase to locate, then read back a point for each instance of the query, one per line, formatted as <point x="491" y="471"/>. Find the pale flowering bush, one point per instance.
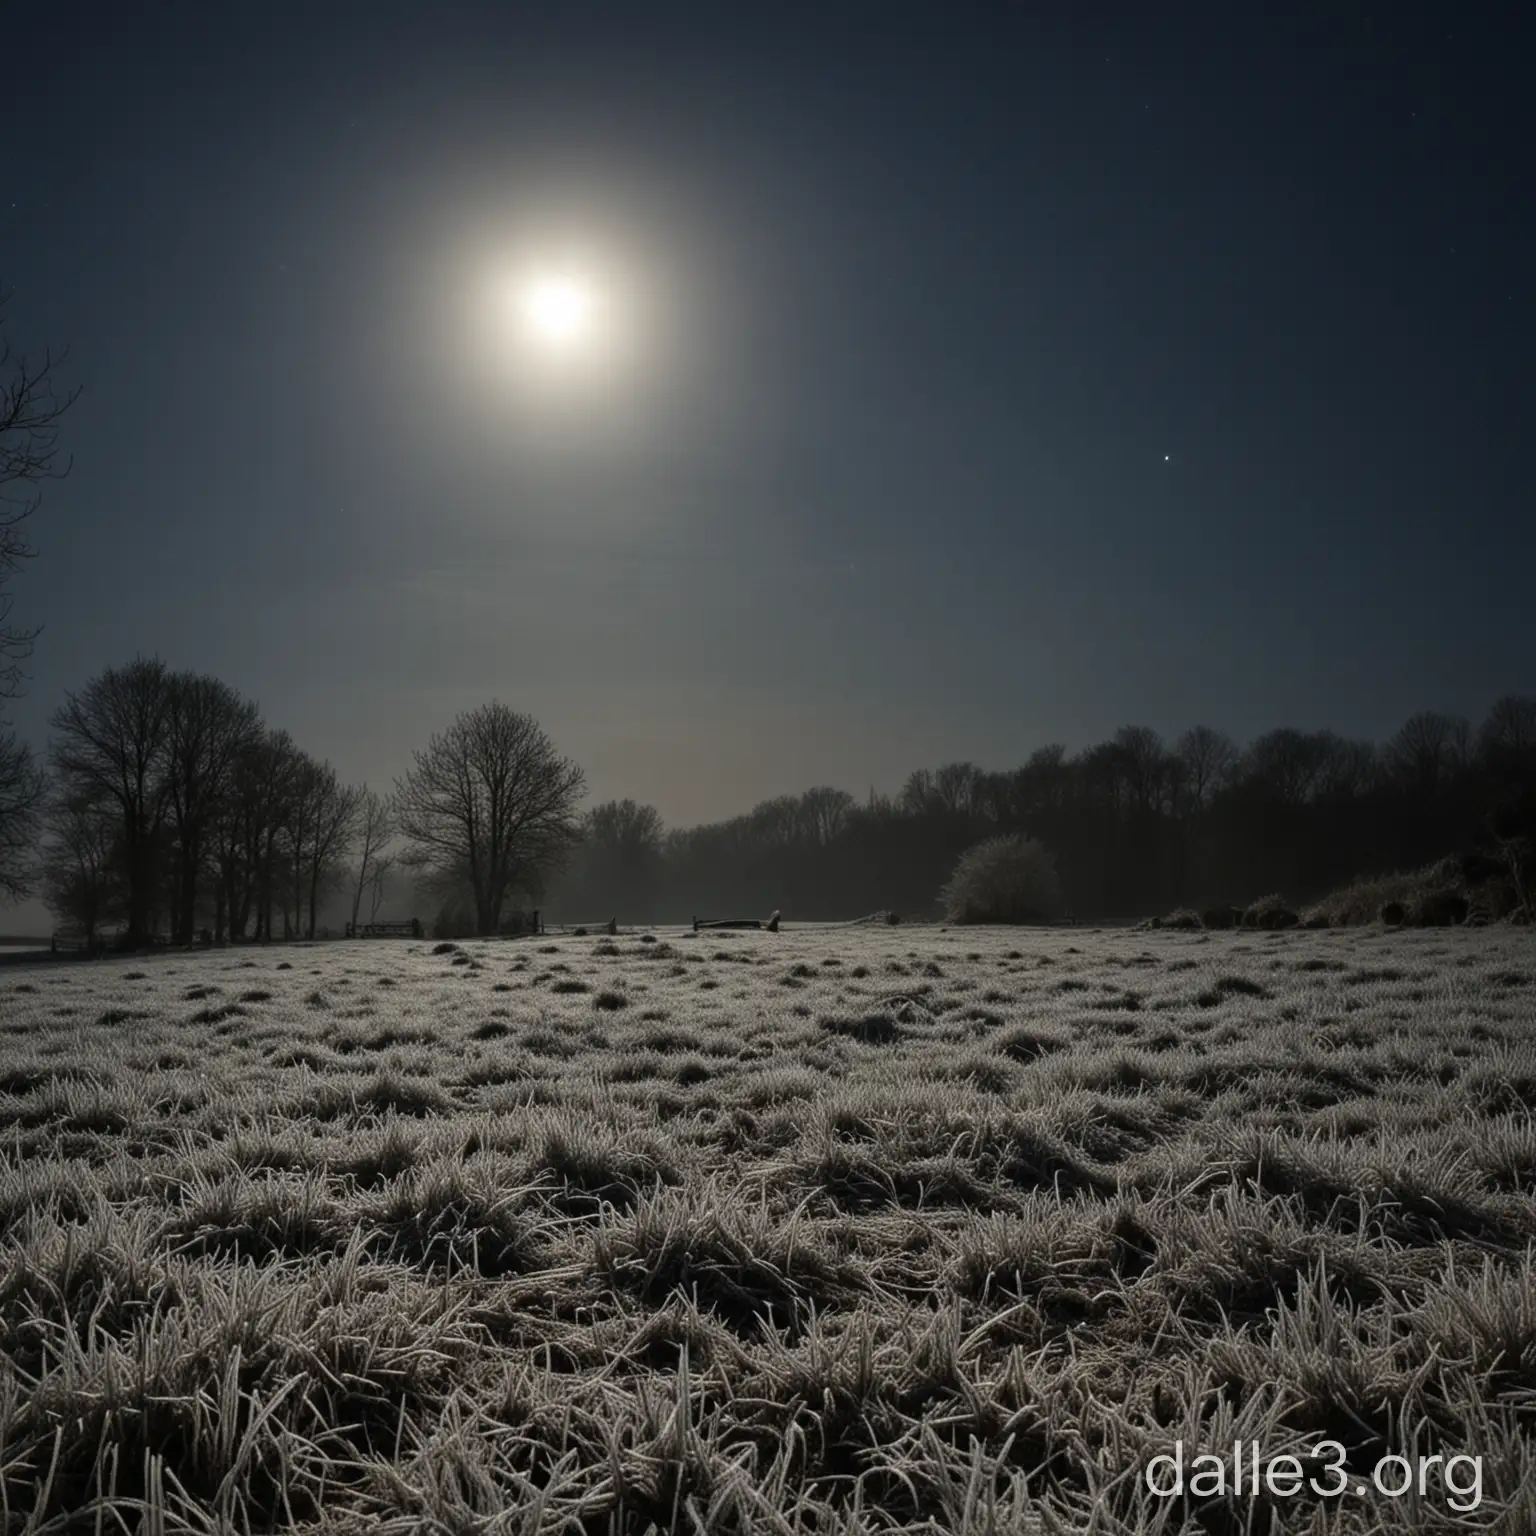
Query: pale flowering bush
<point x="1004" y="880"/>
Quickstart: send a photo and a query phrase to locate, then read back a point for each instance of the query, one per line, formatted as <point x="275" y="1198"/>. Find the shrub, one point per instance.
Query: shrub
<point x="1185" y="918"/>
<point x="1463" y="888"/>
<point x="1004" y="880"/>
<point x="1270" y="912"/>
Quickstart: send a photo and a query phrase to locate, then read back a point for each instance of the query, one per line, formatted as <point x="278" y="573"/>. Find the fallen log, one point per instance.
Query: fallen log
<point x="772" y="925"/>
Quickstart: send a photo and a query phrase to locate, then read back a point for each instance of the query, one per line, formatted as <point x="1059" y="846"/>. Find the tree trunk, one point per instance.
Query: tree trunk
<point x="488" y="904"/>
<point x="242" y="900"/>
<point x="186" y="917"/>
<point x="138" y="887"/>
<point x="266" y="896"/>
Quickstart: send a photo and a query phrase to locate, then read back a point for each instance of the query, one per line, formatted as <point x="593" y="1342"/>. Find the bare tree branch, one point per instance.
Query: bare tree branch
<point x="30" y="409"/>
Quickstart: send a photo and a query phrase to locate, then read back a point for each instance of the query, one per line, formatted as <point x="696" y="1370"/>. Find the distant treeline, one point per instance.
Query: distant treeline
<point x="1137" y="825"/>
<point x="170" y="808"/>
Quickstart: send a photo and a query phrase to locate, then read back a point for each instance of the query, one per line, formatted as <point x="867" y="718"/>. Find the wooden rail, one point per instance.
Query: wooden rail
<point x="410" y="929"/>
<point x="75" y="944"/>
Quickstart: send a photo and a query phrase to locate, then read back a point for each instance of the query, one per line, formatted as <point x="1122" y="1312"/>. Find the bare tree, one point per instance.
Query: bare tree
<point x="318" y="827"/>
<point x="918" y="795"/>
<point x="618" y="867"/>
<point x="378" y="881"/>
<point x="1348" y="768"/>
<point x="80" y="865"/>
<point x="1428" y="750"/>
<point x="775" y="822"/>
<point x="1043" y="783"/>
<point x="490" y="798"/>
<point x="1506" y="741"/>
<point x="247" y="831"/>
<point x="996" y="798"/>
<point x="333" y="830"/>
<point x="110" y="749"/>
<point x="953" y="790"/>
<point x="279" y="772"/>
<point x="1101" y="776"/>
<point x="1146" y="766"/>
<point x="297" y="817"/>
<point x="632" y="832"/>
<point x="957" y="788"/>
<point x="1287" y="766"/>
<point x="375" y="828"/>
<point x="824" y="813"/>
<point x="1206" y="758"/>
<point x="208" y="726"/>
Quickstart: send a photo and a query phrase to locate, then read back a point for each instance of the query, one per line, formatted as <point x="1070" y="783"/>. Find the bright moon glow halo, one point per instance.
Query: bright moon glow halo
<point x="557" y="331"/>
<point x="558" y="310"/>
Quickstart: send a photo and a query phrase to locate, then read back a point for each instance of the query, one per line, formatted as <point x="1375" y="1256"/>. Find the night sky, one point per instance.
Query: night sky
<point x="970" y="378"/>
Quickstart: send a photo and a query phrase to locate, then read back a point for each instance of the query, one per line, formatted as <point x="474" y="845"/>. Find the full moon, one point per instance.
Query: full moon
<point x="559" y="310"/>
<point x="560" y="329"/>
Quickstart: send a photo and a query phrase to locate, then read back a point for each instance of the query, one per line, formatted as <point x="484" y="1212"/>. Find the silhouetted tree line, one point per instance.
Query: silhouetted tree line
<point x="1137" y="825"/>
<point x="173" y="809"/>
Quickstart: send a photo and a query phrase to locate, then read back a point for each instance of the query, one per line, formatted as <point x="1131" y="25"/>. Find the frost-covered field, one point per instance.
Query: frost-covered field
<point x="821" y="1230"/>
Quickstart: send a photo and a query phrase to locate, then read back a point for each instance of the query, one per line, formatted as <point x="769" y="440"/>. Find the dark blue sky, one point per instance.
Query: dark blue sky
<point x="993" y="375"/>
